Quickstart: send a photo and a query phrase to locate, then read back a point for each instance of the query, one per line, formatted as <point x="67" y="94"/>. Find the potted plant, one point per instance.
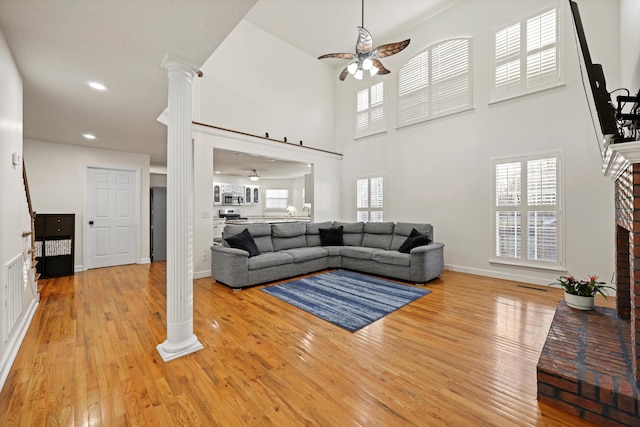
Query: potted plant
<point x="581" y="293"/>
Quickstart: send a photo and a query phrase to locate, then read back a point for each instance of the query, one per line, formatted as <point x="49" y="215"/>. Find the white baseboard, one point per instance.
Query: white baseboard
<point x="201" y="274"/>
<point x="498" y="275"/>
<point x="13" y="345"/>
<point x="145" y="261"/>
<point x="78" y="268"/>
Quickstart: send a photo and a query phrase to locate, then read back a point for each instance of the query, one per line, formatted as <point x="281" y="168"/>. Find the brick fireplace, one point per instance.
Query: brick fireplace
<point x="590" y="364"/>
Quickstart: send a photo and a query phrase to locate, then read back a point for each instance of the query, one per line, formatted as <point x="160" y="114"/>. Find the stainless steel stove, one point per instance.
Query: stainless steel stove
<point x="230" y="214"/>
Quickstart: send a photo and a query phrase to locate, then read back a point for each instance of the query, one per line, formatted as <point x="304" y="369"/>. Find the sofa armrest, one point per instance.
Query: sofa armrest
<point x="230" y="266"/>
<point x="427" y="262"/>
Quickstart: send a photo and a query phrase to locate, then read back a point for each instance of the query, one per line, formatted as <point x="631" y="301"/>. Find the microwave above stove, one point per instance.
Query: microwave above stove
<point x="232" y="199"/>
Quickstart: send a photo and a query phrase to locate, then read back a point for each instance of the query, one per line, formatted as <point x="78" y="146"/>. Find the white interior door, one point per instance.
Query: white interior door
<point x="111" y="218"/>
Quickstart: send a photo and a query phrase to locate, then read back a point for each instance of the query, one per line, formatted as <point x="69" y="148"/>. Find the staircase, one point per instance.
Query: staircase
<point x="30" y="260"/>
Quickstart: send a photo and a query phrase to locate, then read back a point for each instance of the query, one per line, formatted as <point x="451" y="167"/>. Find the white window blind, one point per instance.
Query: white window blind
<point x="370" y="117"/>
<point x="527" y="225"/>
<point x="526" y="56"/>
<point x="276" y="198"/>
<point x="435" y="82"/>
<point x="370" y="199"/>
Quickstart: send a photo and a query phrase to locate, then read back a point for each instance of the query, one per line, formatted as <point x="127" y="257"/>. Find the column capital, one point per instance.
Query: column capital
<point x="172" y="63"/>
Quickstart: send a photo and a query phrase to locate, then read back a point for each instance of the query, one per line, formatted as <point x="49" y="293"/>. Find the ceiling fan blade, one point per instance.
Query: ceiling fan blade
<point x="380" y="67"/>
<point x="338" y="55"/>
<point x="344" y="73"/>
<point x="365" y="42"/>
<point x="389" y="49"/>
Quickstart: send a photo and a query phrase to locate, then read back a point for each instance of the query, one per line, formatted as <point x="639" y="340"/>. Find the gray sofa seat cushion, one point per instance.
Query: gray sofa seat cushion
<point x="392" y="257"/>
<point x="333" y="250"/>
<point x="403" y="229"/>
<point x="378" y="235"/>
<point x="313" y="233"/>
<point x="269" y="259"/>
<point x="261" y="234"/>
<point x="357" y="252"/>
<point x="288" y="235"/>
<point x="306" y="254"/>
<point x="351" y="232"/>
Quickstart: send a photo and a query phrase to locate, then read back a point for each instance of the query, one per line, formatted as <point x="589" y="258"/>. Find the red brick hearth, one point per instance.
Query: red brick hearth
<point x="590" y="363"/>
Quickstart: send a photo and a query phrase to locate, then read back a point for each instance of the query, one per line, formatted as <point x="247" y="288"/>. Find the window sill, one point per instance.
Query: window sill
<point x="524" y="265"/>
<point x="544" y="88"/>
<point x="363" y="136"/>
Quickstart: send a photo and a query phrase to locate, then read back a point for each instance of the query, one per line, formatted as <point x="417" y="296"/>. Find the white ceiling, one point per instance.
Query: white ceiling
<point x="60" y="45"/>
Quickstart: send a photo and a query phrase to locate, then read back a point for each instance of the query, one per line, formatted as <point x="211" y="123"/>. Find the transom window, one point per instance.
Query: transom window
<point x="370" y="199"/>
<point x="370" y="117"/>
<point x="527" y="223"/>
<point x="526" y="56"/>
<point x="435" y="82"/>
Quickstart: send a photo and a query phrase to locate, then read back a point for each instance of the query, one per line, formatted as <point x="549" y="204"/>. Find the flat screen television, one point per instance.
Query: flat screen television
<point x="601" y="97"/>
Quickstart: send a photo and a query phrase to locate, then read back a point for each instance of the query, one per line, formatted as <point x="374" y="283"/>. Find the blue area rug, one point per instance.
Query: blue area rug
<point x="345" y="298"/>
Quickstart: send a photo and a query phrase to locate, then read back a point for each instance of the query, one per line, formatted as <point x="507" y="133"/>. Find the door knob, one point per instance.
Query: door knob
<point x="90" y="222"/>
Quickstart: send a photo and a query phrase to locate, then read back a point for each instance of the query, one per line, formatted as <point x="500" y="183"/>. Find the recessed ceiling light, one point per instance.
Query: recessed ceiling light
<point x="89" y="136"/>
<point x="217" y="171"/>
<point x="97" y="86"/>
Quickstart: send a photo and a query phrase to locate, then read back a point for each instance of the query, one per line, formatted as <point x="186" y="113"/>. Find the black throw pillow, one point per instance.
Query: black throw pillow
<point x="331" y="236"/>
<point x="414" y="240"/>
<point x="245" y="242"/>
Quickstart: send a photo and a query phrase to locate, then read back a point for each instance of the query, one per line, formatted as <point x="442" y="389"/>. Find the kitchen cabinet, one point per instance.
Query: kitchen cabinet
<point x="251" y="194"/>
<point x="217" y="194"/>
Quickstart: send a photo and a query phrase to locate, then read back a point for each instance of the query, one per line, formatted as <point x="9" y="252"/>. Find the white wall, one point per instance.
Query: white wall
<point x="440" y="171"/>
<point x="630" y="45"/>
<point x="14" y="213"/>
<point x="255" y="83"/>
<point x="57" y="177"/>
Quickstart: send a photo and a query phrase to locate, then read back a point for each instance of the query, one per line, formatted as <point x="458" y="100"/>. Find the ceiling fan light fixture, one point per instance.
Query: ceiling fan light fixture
<point x="352" y="68"/>
<point x="373" y="70"/>
<point x="367" y="63"/>
<point x="358" y="74"/>
<point x="253" y="175"/>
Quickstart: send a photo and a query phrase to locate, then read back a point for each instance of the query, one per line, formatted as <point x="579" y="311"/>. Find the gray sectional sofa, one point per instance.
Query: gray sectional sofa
<point x="295" y="248"/>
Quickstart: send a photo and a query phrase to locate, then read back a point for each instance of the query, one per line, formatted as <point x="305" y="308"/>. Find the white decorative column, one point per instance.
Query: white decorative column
<point x="180" y="337"/>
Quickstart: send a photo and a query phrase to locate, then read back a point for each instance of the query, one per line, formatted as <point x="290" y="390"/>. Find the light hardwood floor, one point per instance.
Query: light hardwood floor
<point x="465" y="355"/>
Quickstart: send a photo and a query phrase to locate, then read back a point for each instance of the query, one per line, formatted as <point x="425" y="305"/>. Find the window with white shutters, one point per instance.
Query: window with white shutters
<point x="527" y="222"/>
<point x="526" y="56"/>
<point x="370" y="117"/>
<point x="370" y="199"/>
<point x="276" y="198"/>
<point x="435" y="82"/>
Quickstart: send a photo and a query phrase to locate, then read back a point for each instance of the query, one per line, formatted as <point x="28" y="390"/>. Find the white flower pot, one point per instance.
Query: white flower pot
<point x="579" y="302"/>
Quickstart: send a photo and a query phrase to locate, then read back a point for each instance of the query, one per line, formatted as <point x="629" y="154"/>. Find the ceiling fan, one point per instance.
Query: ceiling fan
<point x="366" y="57"/>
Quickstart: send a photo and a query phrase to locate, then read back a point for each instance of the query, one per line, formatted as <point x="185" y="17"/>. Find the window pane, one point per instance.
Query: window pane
<point x="508" y="191"/>
<point x="362" y="190"/>
<point x="507" y="42"/>
<point x="376" y="216"/>
<point x="542" y="182"/>
<point x="508" y="234"/>
<point x="377" y="192"/>
<point x="362" y="216"/>
<point x="542" y="236"/>
<point x="363" y="100"/>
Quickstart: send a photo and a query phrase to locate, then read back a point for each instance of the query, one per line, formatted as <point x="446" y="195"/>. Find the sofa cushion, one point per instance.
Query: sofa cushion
<point x="414" y="240"/>
<point x="306" y="254"/>
<point x="378" y="235"/>
<point x="357" y="252"/>
<point x="333" y="250"/>
<point x="261" y="234"/>
<point x="331" y="236"/>
<point x="288" y="235"/>
<point x="351" y="232"/>
<point x="269" y="259"/>
<point x="392" y="257"/>
<point x="244" y="241"/>
<point x="403" y="230"/>
<point x="313" y="232"/>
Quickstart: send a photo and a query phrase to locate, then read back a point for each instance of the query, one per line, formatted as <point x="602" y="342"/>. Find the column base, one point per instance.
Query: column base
<point x="169" y="351"/>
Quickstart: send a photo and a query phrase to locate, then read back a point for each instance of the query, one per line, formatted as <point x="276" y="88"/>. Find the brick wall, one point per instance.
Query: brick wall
<point x="627" y="201"/>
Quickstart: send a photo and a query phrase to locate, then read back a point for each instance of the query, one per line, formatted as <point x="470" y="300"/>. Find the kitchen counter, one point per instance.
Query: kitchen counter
<point x="269" y="220"/>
